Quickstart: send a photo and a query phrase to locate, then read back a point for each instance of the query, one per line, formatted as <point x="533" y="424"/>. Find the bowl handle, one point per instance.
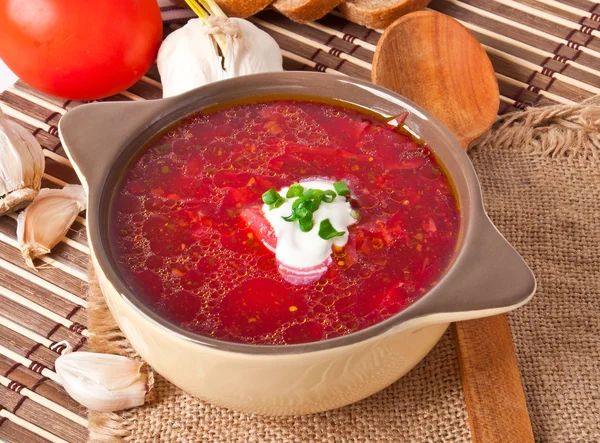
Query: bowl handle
<point x="488" y="278"/>
<point x="94" y="134"/>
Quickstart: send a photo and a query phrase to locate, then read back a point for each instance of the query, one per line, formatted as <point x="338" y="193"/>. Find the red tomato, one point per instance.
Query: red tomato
<point x="79" y="50"/>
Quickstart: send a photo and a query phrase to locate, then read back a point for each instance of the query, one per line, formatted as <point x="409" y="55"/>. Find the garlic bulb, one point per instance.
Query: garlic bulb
<point x="21" y="166"/>
<point x="102" y="382"/>
<point x="189" y="57"/>
<point x="47" y="220"/>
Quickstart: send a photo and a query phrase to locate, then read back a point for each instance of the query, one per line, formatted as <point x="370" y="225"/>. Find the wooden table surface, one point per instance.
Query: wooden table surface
<point x="541" y="50"/>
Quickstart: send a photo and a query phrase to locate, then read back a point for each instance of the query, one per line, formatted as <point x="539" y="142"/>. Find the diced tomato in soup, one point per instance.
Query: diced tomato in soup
<point x="191" y="240"/>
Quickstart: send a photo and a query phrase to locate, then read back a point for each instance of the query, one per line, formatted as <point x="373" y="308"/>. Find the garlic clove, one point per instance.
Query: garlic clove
<point x="44" y="223"/>
<point x="17" y="199"/>
<point x="103" y="382"/>
<point x="21" y="166"/>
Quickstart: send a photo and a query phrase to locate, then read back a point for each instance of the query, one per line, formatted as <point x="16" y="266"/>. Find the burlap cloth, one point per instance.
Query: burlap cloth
<point x="540" y="175"/>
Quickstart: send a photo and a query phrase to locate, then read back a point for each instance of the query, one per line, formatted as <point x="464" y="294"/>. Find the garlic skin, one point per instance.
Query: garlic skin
<point x="189" y="58"/>
<point x="44" y="223"/>
<point x="21" y="166"/>
<point x="102" y="382"/>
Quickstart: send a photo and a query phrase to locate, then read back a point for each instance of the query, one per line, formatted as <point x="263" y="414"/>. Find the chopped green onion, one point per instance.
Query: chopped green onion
<point x="314" y="196"/>
<point x="329" y="196"/>
<point x="297" y="202"/>
<point x="277" y="203"/>
<point x="317" y="194"/>
<point x="303" y="213"/>
<point x="270" y="197"/>
<point x="305" y="204"/>
<point x="307" y="195"/>
<point x="306" y="225"/>
<point x="327" y="231"/>
<point x="341" y="188"/>
<point x="295" y="191"/>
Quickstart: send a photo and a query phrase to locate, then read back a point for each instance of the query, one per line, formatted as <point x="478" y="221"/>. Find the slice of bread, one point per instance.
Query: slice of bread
<point x="235" y="8"/>
<point x="242" y="8"/>
<point x="379" y="14"/>
<point x="305" y="10"/>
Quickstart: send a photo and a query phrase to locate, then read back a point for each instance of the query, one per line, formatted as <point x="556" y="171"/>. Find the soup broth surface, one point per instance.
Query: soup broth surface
<point x="182" y="246"/>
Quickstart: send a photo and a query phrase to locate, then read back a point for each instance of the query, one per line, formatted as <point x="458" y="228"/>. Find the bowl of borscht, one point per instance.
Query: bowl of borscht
<point x="286" y="243"/>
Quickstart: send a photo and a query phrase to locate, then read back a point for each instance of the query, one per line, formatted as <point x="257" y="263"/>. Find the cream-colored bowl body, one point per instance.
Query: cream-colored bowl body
<point x="487" y="276"/>
<point x="284" y="384"/>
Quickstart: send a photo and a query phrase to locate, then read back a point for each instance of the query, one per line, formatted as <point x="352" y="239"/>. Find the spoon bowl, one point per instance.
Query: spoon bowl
<point x="435" y="61"/>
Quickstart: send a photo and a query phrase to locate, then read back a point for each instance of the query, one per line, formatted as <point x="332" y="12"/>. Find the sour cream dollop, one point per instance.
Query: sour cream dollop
<point x="304" y="256"/>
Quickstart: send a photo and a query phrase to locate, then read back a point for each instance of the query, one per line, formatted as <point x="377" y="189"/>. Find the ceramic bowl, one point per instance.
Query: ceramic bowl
<point x="487" y="276"/>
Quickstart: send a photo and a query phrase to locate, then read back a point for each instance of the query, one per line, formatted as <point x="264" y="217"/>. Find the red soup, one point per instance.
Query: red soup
<point x="185" y="247"/>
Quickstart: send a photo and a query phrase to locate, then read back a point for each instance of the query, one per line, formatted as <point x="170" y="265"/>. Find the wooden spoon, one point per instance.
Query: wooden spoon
<point x="436" y="62"/>
<point x="433" y="60"/>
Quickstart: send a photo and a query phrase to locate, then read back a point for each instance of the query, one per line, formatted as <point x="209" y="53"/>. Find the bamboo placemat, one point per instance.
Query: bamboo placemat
<point x="542" y="50"/>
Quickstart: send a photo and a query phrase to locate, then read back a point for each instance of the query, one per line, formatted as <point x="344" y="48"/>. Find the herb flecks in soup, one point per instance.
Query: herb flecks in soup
<point x="189" y="232"/>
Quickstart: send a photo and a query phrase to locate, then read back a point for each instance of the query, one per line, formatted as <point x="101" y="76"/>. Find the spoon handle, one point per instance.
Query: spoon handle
<point x="491" y="381"/>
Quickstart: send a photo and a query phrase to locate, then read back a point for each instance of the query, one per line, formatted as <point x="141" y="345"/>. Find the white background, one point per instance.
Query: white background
<point x="7" y="78"/>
